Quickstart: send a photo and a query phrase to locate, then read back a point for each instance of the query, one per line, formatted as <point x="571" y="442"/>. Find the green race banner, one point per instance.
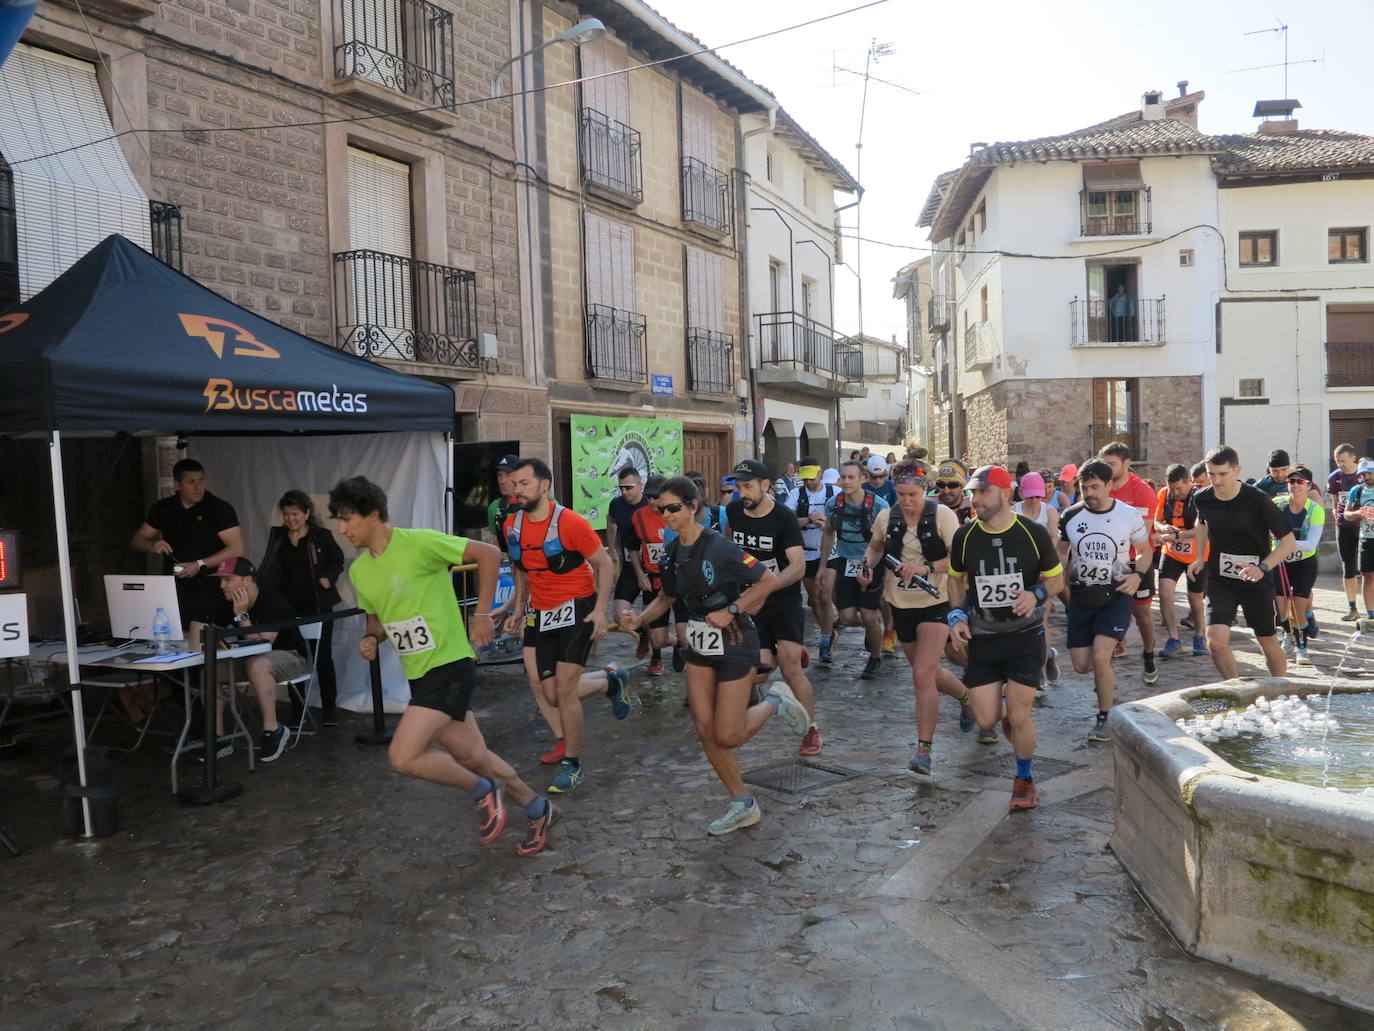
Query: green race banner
<point x="601" y="446"/>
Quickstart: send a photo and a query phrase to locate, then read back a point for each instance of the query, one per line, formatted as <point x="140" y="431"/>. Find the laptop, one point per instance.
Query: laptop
<point x="133" y="602"/>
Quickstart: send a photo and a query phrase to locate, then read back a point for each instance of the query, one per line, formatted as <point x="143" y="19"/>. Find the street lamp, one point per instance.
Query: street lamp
<point x="585" y="31"/>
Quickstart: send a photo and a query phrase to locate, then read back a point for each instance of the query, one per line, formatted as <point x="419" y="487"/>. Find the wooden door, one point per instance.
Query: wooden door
<point x="707" y="451"/>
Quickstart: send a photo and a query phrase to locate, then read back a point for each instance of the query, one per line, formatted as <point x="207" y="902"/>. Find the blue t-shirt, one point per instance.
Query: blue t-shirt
<point x="887" y="492"/>
<point x="712" y="517"/>
<point x="848" y="523"/>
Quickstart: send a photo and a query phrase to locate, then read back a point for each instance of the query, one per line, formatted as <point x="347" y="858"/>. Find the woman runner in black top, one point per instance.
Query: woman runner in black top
<point x="717" y="583"/>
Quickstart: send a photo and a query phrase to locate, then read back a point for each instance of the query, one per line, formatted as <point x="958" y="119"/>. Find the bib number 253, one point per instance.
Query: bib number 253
<point x="995" y="592"/>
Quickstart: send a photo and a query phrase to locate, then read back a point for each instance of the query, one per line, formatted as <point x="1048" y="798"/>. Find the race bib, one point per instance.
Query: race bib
<point x="853" y="566"/>
<point x="657" y="552"/>
<point x="1093" y="573"/>
<point x="705" y="639"/>
<point x="557" y="619"/>
<point x="411" y="636"/>
<point x="1231" y="565"/>
<point x="999" y="590"/>
<point x="1182" y="548"/>
<point x="770" y="564"/>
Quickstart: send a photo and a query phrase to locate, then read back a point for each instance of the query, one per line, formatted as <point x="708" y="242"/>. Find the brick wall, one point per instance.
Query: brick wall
<point x="1172" y="407"/>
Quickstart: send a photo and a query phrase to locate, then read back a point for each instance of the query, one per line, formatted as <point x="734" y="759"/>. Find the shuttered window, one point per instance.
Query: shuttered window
<point x="610" y="262"/>
<point x="68" y="202"/>
<point x="609" y="94"/>
<point x="382" y="288"/>
<point x="705" y="290"/>
<point x="698" y="128"/>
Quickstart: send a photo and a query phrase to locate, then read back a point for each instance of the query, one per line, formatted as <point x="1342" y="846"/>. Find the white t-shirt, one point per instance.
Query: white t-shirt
<point x="1100" y="543"/>
<point x="1043" y="518"/>
<point x="816" y="499"/>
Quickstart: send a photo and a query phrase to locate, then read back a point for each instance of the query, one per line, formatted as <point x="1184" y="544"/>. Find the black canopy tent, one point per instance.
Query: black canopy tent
<point x="121" y="342"/>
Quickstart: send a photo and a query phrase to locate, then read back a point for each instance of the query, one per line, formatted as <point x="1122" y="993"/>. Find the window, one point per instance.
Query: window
<point x="1185" y="258"/>
<point x="887" y="394"/>
<point x="1347" y="246"/>
<point x="768" y="167"/>
<point x="710" y="351"/>
<point x="983" y="300"/>
<point x="808" y="296"/>
<point x="1114" y="195"/>
<point x="1114" y="415"/>
<point x="1259" y="249"/>
<point x="614" y="333"/>
<point x="405" y="45"/>
<point x="610" y="263"/>
<point x="775" y="281"/>
<point x="378" y="203"/>
<point x="982" y="216"/>
<point x="9" y="242"/>
<point x="1251" y="388"/>
<point x="607" y="93"/>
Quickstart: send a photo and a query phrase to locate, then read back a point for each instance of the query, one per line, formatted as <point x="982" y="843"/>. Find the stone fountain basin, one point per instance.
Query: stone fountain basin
<point x="1271" y="877"/>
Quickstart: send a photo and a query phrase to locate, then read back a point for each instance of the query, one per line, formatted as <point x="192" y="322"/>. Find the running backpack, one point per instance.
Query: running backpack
<point x="932" y="544"/>
<point x="558" y="559"/>
<point x="804" y="503"/>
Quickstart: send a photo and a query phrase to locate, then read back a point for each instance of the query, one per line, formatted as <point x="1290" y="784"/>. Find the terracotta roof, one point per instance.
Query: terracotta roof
<point x="1125" y="137"/>
<point x="824" y="160"/>
<point x="1310" y="150"/>
<point x="936" y="197"/>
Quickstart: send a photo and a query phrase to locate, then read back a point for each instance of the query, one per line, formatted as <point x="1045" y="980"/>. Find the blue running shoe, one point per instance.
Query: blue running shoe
<point x="567" y="778"/>
<point x="966" y="722"/>
<point x="1170" y="649"/>
<point x="920" y="762"/>
<point x="825" y="649"/>
<point x="1199" y="646"/>
<point x="616" y="681"/>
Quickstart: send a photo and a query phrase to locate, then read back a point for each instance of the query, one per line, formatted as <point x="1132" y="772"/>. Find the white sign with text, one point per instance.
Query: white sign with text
<point x="14" y="626"/>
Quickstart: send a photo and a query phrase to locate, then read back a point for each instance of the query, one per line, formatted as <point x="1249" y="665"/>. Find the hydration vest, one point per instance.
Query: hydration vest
<point x="804" y="503"/>
<point x="558" y="560"/>
<point x="866" y="513"/>
<point x="932" y="544"/>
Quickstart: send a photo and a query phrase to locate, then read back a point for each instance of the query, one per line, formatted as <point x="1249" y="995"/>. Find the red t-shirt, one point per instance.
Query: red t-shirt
<point x="550" y="590"/>
<point x="1137" y="493"/>
<point x="649" y="526"/>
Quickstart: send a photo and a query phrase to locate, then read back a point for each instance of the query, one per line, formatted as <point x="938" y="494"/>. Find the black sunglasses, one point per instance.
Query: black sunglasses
<point x="624" y="487"/>
<point x="672" y="507"/>
<point x="948" y="485"/>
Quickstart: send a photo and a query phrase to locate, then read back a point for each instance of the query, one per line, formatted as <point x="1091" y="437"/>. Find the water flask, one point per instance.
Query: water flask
<point x="162" y="631"/>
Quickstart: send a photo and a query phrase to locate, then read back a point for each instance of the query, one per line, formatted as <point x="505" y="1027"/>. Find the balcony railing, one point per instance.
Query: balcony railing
<point x="405" y="310"/>
<point x="610" y="155"/>
<point x="882" y="366"/>
<point x="405" y="45"/>
<point x="1135" y="435"/>
<point x="1115" y="212"/>
<point x="705" y="196"/>
<point x="614" y="344"/>
<point x="165" y="222"/>
<point x="1116" y="321"/>
<point x="1349" y="364"/>
<point x="788" y="338"/>
<point x="939" y="312"/>
<point x="978" y="346"/>
<point x="710" y="361"/>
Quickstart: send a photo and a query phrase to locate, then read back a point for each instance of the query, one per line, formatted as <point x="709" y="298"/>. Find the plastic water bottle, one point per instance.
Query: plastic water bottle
<point x="162" y="631"/>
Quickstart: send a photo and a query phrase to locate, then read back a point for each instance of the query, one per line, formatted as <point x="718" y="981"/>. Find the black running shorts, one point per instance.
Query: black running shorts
<point x="849" y="593"/>
<point x="783" y="623"/>
<point x="1176" y="569"/>
<point x="906" y="622"/>
<point x="1226" y="594"/>
<point x="571" y="643"/>
<point x="1348" y="542"/>
<point x="1000" y="658"/>
<point x="447" y="688"/>
<point x="1302" y="577"/>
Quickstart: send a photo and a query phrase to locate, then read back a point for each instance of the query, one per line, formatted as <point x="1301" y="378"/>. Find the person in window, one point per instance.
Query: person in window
<point x="303" y="563"/>
<point x="1121" y="315"/>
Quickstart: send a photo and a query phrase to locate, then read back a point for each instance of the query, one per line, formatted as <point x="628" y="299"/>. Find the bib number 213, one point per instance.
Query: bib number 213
<point x="411" y="636"/>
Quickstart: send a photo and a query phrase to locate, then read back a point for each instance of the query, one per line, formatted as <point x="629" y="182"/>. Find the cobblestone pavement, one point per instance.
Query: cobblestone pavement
<point x="335" y="894"/>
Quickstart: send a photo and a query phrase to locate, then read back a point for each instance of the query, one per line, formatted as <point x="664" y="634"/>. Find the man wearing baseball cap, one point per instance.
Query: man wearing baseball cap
<point x="880" y="486"/>
<point x="1359" y="511"/>
<point x="244" y="605"/>
<point x="1002" y="567"/>
<point x="808" y="502"/>
<point x="950" y="478"/>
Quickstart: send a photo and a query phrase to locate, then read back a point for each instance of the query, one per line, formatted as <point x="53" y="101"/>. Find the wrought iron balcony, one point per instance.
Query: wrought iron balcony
<point x="1135" y="435"/>
<point x="788" y="338"/>
<point x="165" y="222"/>
<point x="1115" y="321"/>
<point x="1349" y="364"/>
<point x="939" y="313"/>
<point x="978" y="346"/>
<point x="883" y="365"/>
<point x="1115" y="212"/>
<point x="614" y="343"/>
<point x="710" y="361"/>
<point x="406" y="45"/>
<point x="706" y="196"/>
<point x="610" y="156"/>
<point x="405" y="310"/>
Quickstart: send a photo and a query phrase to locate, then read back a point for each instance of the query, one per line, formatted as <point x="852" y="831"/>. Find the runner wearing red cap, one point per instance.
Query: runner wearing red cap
<point x="1131" y="489"/>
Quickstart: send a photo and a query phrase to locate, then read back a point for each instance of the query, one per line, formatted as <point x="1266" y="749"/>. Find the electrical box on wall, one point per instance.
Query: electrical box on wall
<point x="487" y="345"/>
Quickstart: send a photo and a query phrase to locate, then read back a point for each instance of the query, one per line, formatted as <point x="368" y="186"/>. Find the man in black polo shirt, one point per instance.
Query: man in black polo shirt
<point x="194" y="531"/>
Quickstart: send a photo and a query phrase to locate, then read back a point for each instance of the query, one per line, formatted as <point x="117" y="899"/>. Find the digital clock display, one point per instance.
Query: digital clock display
<point x="10" y="571"/>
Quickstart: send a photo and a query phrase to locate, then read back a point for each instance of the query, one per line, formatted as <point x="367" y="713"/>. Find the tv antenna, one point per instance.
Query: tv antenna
<point x="1282" y="30"/>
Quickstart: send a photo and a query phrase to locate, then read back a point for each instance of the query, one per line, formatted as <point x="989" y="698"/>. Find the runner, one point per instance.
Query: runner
<point x="1298" y="575"/>
<point x="404" y="584"/>
<point x="500" y="508"/>
<point x="1273" y="483"/>
<point x="849" y="524"/>
<point x="917" y="534"/>
<point x="1177" y="516"/>
<point x="1003" y="568"/>
<point x="879" y="485"/>
<point x="1338" y="485"/>
<point x="808" y="502"/>
<point x="719" y="584"/>
<point x="647" y="533"/>
<point x="1065" y="489"/>
<point x="1130" y="488"/>
<point x="1359" y="510"/>
<point x="950" y="477"/>
<point x="621" y="544"/>
<point x="565" y="574"/>
<point x="1035" y="508"/>
<point x="1107" y="547"/>
<point x="770" y="533"/>
<point x="1239" y="520"/>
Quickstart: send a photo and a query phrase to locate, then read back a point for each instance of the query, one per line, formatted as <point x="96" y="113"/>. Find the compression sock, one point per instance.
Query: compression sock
<point x="536" y="807"/>
<point x="576" y="763"/>
<point x="1300" y="635"/>
<point x="966" y="698"/>
<point x="1285" y="627"/>
<point x="482" y="789"/>
<point x="1023" y="770"/>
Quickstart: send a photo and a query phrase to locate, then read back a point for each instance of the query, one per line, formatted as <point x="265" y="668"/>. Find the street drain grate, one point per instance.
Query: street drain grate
<point x="1094" y="805"/>
<point x="797" y="776"/>
<point x="1005" y="766"/>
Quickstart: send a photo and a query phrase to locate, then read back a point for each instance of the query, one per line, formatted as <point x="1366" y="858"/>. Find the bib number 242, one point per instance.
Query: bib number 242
<point x="556" y="619"/>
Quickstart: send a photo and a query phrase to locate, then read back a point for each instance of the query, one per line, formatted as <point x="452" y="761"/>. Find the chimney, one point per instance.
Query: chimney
<point x="974" y="148"/>
<point x="1182" y="87"/>
<point x="1152" y="106"/>
<point x="1285" y="124"/>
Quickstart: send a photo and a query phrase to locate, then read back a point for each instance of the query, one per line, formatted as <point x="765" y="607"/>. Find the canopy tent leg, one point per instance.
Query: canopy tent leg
<point x="449" y="506"/>
<point x="64" y="565"/>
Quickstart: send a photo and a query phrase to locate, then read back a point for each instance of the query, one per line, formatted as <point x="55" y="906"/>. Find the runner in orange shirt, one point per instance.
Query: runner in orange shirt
<point x="1173" y="529"/>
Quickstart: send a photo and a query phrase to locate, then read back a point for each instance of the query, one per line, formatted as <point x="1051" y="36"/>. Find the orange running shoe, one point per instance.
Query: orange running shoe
<point x="554" y="755"/>
<point x="538" y="836"/>
<point x="491" y="814"/>
<point x="811" y="742"/>
<point x="1024" y="794"/>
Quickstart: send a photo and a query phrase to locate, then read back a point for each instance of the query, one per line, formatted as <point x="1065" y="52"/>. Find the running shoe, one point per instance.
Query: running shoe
<point x="1120" y="650"/>
<point x="740" y="814"/>
<point x="1312" y="629"/>
<point x="567" y="778"/>
<point x="1199" y="646"/>
<point x="1150" y="674"/>
<point x="616" y="682"/>
<point x="679" y="660"/>
<point x="224" y="748"/>
<point x="273" y="744"/>
<point x="987" y="737"/>
<point x="1286" y="644"/>
<point x="889" y="642"/>
<point x="491" y="814"/>
<point x="1100" y="731"/>
<point x="642" y="648"/>
<point x="1302" y="659"/>
<point x="1052" y="666"/>
<point x="1170" y="649"/>
<point x="825" y="649"/>
<point x="793" y="713"/>
<point x="1024" y="794"/>
<point x="966" y="721"/>
<point x="872" y="668"/>
<point x="655" y="668"/>
<point x="1350" y="616"/>
<point x="537" y="837"/>
<point x="554" y="755"/>
<point x="811" y="742"/>
<point x="920" y="762"/>
<point x="806" y="657"/>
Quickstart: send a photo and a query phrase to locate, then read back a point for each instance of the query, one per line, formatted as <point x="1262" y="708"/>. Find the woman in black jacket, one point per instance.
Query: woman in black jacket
<point x="303" y="562"/>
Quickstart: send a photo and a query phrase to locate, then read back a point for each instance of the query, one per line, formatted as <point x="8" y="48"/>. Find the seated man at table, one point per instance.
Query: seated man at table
<point x="244" y="606"/>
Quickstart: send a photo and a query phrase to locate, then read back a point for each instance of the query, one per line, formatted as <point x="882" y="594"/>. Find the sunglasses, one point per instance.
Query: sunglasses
<point x="623" y="488"/>
<point x="948" y="485"/>
<point x="1297" y="479"/>
<point x="878" y="476"/>
<point x="672" y="507"/>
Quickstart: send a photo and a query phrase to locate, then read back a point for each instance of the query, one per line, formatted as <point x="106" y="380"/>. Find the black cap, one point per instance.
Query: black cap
<point x="508" y="464"/>
<point x="1278" y="458"/>
<point x="751" y="469"/>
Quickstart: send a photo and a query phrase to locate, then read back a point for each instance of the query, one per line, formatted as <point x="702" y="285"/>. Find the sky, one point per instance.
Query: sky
<point x="995" y="71"/>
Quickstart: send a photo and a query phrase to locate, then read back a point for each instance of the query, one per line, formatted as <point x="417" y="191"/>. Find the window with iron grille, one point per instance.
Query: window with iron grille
<point x="165" y="220"/>
<point x="614" y="334"/>
<point x="710" y="351"/>
<point x="405" y="45"/>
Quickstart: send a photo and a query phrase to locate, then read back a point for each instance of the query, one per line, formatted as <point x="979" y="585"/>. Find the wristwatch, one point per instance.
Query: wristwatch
<point x="732" y="608"/>
<point x="242" y="617"/>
